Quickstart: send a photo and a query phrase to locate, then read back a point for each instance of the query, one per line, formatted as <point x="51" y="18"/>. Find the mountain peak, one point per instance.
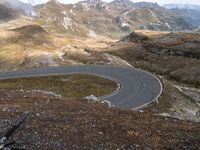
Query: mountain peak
<point x="56" y="1"/>
<point x="123" y="2"/>
<point x="93" y="3"/>
<point x="147" y="5"/>
<point x="53" y="2"/>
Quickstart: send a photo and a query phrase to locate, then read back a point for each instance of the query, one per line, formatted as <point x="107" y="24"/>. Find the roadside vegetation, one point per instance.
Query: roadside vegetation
<point x="58" y="123"/>
<point x="173" y="55"/>
<point x="69" y="86"/>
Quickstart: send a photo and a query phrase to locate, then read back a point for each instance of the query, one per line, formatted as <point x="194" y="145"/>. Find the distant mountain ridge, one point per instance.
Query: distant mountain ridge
<point x="182" y="6"/>
<point x="189" y="12"/>
<point x="116" y="18"/>
<point x="93" y="3"/>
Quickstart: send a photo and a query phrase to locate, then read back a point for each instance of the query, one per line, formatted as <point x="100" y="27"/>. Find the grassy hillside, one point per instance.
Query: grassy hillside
<point x="56" y="123"/>
<point x="175" y="55"/>
<point x="30" y="34"/>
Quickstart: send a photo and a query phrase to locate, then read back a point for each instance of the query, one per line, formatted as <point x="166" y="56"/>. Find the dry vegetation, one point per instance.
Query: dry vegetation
<point x="174" y="55"/>
<point x="60" y="119"/>
<point x="62" y="123"/>
<point x="70" y="86"/>
<point x="29" y="45"/>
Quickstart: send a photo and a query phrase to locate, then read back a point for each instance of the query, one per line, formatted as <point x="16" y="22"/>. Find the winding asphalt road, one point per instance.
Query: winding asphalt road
<point x="137" y="88"/>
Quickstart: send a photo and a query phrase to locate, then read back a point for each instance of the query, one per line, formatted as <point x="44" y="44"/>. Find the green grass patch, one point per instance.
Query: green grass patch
<point x="70" y="86"/>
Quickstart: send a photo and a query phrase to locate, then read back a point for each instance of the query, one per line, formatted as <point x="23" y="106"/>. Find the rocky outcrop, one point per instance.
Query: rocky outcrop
<point x="135" y="37"/>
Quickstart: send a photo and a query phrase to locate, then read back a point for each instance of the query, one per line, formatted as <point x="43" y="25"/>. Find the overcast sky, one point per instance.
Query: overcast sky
<point x="161" y="2"/>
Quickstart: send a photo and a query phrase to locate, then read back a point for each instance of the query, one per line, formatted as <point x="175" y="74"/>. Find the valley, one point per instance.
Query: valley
<point x="161" y="40"/>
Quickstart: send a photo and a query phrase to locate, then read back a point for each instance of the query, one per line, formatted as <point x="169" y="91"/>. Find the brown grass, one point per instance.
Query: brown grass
<point x="60" y="124"/>
<point x="70" y="86"/>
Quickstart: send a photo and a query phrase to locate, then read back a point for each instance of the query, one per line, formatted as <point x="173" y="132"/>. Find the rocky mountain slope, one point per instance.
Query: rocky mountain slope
<point x="7" y="13"/>
<point x="11" y="9"/>
<point x="25" y="9"/>
<point x="91" y="17"/>
<point x="189" y="12"/>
